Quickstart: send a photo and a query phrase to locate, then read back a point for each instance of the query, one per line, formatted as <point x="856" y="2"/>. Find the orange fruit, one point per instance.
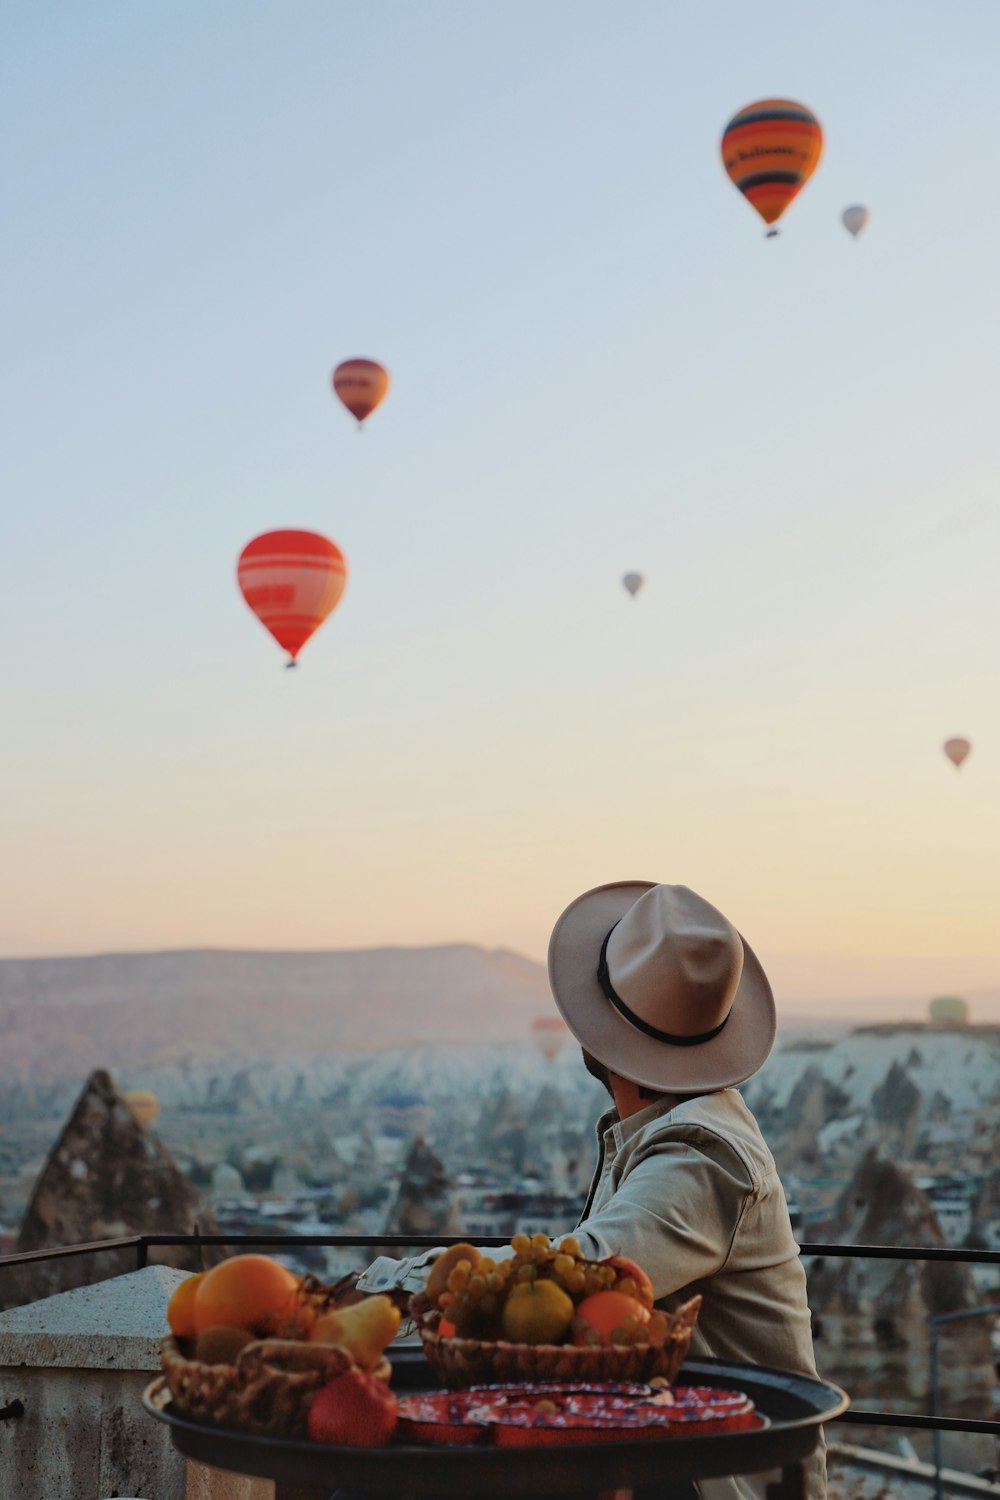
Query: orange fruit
<point x="537" y="1312"/>
<point x="605" y="1312"/>
<point x="248" y="1291"/>
<point x="180" y="1308"/>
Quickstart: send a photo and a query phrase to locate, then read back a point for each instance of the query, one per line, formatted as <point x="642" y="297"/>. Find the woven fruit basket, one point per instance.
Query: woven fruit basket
<point x="460" y="1363"/>
<point x="266" y="1390"/>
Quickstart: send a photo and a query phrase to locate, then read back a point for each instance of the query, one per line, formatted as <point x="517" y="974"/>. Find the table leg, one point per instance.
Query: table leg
<point x="791" y="1486"/>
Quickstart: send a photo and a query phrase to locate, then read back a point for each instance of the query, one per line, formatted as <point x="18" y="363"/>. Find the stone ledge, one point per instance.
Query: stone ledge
<point x="110" y="1325"/>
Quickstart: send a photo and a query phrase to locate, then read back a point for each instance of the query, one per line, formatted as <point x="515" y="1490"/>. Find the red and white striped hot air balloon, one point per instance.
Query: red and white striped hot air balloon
<point x="550" y="1034"/>
<point x="292" y="580"/>
<point x="956" y="750"/>
<point x="361" y="384"/>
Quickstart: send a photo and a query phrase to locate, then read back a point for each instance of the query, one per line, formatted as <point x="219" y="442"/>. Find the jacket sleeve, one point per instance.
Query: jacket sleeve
<point x="675" y="1212"/>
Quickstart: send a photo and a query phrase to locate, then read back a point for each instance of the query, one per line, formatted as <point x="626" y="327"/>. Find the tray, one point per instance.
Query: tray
<point x="796" y="1408"/>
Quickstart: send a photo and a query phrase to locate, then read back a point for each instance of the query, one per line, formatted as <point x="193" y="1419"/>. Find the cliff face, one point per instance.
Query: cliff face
<point x="927" y="1095"/>
<point x="106" y="1177"/>
<point x="871" y="1318"/>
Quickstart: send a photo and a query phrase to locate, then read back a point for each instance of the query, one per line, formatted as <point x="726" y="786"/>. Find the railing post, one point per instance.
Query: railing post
<point x="936" y="1431"/>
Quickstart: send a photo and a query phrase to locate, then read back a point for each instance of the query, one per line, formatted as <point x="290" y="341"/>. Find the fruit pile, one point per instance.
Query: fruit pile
<point x="543" y="1294"/>
<point x="216" y="1314"/>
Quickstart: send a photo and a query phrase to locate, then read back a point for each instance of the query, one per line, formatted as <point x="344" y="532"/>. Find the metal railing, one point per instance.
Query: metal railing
<point x="861" y="1416"/>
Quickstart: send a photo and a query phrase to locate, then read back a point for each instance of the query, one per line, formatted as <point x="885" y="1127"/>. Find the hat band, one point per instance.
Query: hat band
<point x="604" y="978"/>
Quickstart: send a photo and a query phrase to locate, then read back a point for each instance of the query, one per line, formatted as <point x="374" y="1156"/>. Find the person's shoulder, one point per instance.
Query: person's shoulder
<point x="718" y="1121"/>
<point x="726" y="1112"/>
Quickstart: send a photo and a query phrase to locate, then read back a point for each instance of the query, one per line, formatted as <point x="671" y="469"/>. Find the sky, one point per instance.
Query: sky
<point x="599" y="363"/>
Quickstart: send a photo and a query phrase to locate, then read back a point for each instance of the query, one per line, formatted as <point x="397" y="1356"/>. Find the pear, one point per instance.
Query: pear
<point x="363" y="1328"/>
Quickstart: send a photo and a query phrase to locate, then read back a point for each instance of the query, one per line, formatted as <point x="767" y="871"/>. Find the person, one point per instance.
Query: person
<point x="673" y="1011"/>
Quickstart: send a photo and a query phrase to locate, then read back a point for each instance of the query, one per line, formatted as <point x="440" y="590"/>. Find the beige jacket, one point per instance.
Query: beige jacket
<point x="689" y="1190"/>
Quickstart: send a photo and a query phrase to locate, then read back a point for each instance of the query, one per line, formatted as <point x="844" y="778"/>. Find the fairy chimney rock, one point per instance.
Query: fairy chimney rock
<point x="425" y="1203"/>
<point x="105" y="1177"/>
<point x="871" y="1318"/>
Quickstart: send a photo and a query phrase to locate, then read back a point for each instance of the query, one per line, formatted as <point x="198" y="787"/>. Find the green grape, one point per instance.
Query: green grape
<point x="521" y="1244"/>
<point x="526" y="1273"/>
<point x="445" y="1300"/>
<point x="563" y="1265"/>
<point x="459" y="1276"/>
<point x="489" y="1304"/>
<point x="575" y="1282"/>
<point x="628" y="1287"/>
<point x="570" y="1246"/>
<point x="540" y="1241"/>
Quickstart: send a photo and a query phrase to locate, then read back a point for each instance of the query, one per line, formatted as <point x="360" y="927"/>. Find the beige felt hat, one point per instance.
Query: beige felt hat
<point x="661" y="988"/>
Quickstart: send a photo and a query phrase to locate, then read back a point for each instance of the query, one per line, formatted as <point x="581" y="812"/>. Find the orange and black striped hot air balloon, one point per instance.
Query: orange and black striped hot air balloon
<point x="770" y="150"/>
<point x="292" y="580"/>
<point x="361" y="384"/>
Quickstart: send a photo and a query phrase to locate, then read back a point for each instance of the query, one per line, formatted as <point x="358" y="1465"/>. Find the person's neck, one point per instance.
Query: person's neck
<point x="629" y="1097"/>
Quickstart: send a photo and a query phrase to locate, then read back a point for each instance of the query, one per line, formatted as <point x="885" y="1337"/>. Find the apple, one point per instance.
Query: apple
<point x="355" y="1409"/>
<point x="626" y="1268"/>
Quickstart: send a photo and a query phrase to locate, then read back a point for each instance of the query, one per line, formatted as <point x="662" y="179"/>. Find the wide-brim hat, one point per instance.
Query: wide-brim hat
<point x="659" y="986"/>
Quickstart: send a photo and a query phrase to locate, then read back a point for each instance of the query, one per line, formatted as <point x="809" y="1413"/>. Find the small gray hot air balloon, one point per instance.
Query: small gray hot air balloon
<point x="856" y="218"/>
<point x="633" y="582"/>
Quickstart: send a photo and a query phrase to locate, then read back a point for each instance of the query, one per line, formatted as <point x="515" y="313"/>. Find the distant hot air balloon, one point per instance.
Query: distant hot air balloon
<point x="550" y="1034"/>
<point x="956" y="750"/>
<point x="633" y="582"/>
<point x="361" y="384"/>
<point x="770" y="150"/>
<point x="144" y="1105"/>
<point x="292" y="580"/>
<point x="856" y="218"/>
<point x="402" y="1115"/>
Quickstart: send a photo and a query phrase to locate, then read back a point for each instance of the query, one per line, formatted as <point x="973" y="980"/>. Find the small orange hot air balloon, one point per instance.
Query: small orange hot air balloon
<point x="361" y="384"/>
<point x="550" y="1034"/>
<point x="144" y="1105"/>
<point x="292" y="580"/>
<point x="770" y="150"/>
<point x="956" y="750"/>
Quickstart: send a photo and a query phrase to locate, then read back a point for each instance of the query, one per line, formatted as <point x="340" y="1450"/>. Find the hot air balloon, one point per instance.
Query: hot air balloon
<point x="633" y="582"/>
<point x="361" y="384"/>
<point x="144" y="1105"/>
<point x="402" y="1115"/>
<point x="549" y="1034"/>
<point x="856" y="218"/>
<point x="292" y="580"/>
<point x="770" y="150"/>
<point x="956" y="750"/>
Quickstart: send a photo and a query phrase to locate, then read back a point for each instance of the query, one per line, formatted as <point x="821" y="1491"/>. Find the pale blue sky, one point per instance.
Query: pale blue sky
<point x="598" y="364"/>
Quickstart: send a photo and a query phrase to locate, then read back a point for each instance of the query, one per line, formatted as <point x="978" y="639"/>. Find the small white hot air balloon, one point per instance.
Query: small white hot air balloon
<point x="856" y="218"/>
<point x="633" y="582"/>
<point x="956" y="750"/>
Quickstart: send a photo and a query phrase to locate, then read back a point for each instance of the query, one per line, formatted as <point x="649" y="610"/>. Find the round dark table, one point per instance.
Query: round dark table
<point x="795" y="1407"/>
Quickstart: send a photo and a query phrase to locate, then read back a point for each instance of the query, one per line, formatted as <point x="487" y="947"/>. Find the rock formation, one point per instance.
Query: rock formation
<point x="425" y="1203"/>
<point x="871" y="1318"/>
<point x="105" y="1177"/>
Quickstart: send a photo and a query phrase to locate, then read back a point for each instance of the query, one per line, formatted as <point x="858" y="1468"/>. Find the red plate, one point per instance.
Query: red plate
<point x="545" y="1414"/>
